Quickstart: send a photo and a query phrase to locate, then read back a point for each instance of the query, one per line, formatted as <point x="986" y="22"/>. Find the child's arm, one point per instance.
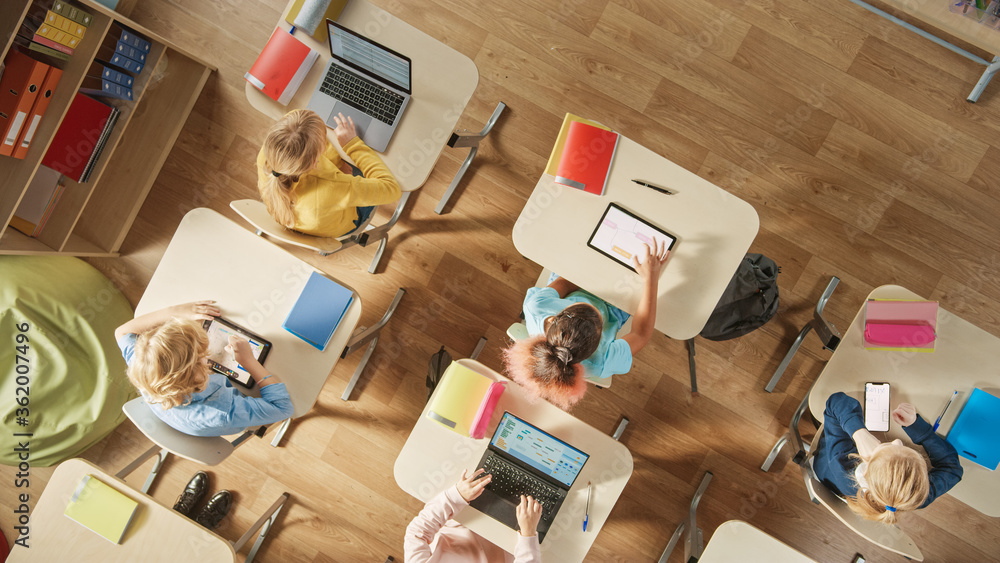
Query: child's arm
<point x="645" y="314"/>
<point x="244" y="356"/>
<point x="563" y="287"/>
<point x="194" y="311"/>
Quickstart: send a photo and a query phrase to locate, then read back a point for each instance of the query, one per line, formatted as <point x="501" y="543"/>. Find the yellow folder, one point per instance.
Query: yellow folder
<point x="101" y="508"/>
<point x="457" y="399"/>
<point x="553" y="165"/>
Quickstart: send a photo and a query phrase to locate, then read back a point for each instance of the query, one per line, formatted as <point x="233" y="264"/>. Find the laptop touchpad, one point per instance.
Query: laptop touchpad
<point x="361" y="120"/>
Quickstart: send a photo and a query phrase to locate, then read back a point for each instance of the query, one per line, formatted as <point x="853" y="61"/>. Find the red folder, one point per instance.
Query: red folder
<point x="18" y="89"/>
<point x="77" y="137"/>
<point x="281" y="66"/>
<point x="586" y="158"/>
<point x="37" y="111"/>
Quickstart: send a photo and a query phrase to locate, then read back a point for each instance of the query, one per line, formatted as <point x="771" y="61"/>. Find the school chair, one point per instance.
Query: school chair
<point x="462" y="140"/>
<point x="694" y="541"/>
<point x="827" y="333"/>
<point x="519" y="330"/>
<point x="204" y="450"/>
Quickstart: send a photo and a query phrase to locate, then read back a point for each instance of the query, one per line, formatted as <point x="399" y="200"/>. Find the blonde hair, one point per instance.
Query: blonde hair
<point x="898" y="481"/>
<point x="291" y="148"/>
<point x="166" y="362"/>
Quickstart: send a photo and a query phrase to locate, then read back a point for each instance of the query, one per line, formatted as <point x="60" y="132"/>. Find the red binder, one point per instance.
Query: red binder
<point x="281" y="66"/>
<point x="18" y="89"/>
<point x="37" y="111"/>
<point x="586" y="158"/>
<point x="78" y="135"/>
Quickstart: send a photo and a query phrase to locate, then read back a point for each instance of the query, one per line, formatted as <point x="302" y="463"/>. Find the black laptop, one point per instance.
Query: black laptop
<point x="525" y="460"/>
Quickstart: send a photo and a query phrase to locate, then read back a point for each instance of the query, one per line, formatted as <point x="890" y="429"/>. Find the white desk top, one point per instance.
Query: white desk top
<point x="965" y="357"/>
<point x="433" y="458"/>
<point x="255" y="284"/>
<point x="714" y="229"/>
<point x="157" y="533"/>
<point x="443" y="83"/>
<point x="736" y="540"/>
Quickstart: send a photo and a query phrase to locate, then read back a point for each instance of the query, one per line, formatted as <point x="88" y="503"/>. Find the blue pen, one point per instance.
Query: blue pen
<point x="586" y="517"/>
<point x="938" y="421"/>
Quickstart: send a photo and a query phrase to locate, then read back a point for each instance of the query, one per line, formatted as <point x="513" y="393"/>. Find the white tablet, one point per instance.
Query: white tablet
<point x="621" y="234"/>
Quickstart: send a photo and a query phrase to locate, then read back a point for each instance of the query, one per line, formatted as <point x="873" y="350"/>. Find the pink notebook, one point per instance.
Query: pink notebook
<point x="900" y="325"/>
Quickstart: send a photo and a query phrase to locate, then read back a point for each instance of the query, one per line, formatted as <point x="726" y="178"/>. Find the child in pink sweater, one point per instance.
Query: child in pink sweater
<point x="432" y="537"/>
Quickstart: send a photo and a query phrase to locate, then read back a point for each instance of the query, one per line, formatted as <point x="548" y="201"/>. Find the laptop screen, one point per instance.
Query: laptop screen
<point x="368" y="56"/>
<point x="540" y="450"/>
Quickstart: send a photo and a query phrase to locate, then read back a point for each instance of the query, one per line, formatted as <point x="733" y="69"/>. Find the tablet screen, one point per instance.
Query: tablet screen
<point x="620" y="235"/>
<point x="222" y="361"/>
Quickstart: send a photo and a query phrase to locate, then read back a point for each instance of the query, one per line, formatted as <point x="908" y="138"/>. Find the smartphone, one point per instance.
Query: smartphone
<point x="877" y="406"/>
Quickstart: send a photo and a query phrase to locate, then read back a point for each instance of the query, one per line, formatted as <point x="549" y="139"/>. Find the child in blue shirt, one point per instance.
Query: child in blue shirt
<point x="878" y="479"/>
<point x="167" y="356"/>
<point x="574" y="335"/>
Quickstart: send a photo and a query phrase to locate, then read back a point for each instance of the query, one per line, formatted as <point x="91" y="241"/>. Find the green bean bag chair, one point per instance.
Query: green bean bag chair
<point x="62" y="377"/>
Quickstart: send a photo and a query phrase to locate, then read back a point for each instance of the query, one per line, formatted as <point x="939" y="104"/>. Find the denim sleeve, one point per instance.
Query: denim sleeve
<point x="833" y="463"/>
<point x="273" y="405"/>
<point x="127" y="345"/>
<point x="946" y="468"/>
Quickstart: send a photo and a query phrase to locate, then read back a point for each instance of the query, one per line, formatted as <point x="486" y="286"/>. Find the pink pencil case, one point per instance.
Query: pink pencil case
<point x="481" y="422"/>
<point x="896" y="335"/>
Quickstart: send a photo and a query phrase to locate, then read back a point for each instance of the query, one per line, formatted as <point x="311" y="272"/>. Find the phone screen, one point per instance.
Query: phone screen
<point x="877" y="406"/>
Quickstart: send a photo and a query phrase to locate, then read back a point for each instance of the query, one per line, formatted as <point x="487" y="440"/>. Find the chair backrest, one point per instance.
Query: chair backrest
<point x="883" y="535"/>
<point x="205" y="450"/>
<point x="256" y="214"/>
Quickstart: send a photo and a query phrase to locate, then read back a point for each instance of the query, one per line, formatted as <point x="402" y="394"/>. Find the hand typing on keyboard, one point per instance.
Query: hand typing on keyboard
<point x="472" y="486"/>
<point x="529" y="512"/>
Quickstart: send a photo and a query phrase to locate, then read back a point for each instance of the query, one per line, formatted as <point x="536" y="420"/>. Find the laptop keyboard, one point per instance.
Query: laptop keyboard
<point x="361" y="93"/>
<point x="510" y="482"/>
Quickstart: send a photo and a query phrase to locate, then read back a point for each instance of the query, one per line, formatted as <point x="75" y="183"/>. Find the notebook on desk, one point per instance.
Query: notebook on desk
<point x="976" y="432"/>
<point x="365" y="81"/>
<point x="523" y="459"/>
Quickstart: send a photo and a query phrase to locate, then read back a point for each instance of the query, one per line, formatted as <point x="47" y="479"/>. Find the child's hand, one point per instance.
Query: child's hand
<point x="345" y="129"/>
<point x="240" y="349"/>
<point x="472" y="486"/>
<point x="197" y="310"/>
<point x="529" y="512"/>
<point x="656" y="255"/>
<point x="905" y="414"/>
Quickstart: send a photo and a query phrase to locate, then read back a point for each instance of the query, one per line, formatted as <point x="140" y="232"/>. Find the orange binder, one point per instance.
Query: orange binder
<point x="18" y="89"/>
<point x="37" y="111"/>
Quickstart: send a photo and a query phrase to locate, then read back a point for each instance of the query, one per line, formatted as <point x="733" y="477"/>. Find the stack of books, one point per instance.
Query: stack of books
<point x="583" y="154"/>
<point x="125" y="49"/>
<point x="77" y="145"/>
<point x="104" y="80"/>
<point x="56" y="32"/>
<point x="39" y="200"/>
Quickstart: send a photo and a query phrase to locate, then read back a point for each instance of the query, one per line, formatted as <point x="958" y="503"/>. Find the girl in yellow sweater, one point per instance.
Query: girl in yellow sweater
<point x="305" y="184"/>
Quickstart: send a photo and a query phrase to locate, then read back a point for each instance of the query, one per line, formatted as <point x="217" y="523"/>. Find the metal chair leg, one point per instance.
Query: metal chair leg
<point x="788" y="357"/>
<point x="692" y="368"/>
<point x="472" y="141"/>
<point x="161" y="456"/>
<point x="694" y="543"/>
<point x="263" y="523"/>
<point x="774" y="452"/>
<point x="621" y="428"/>
<point x="368" y="336"/>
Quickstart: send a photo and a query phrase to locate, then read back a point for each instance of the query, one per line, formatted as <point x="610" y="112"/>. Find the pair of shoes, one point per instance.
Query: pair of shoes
<point x="214" y="510"/>
<point x="196" y="489"/>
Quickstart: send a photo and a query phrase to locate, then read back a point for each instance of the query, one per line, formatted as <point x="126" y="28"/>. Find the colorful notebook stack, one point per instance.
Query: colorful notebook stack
<point x="59" y="30"/>
<point x="318" y="310"/>
<point x="582" y="155"/>
<point x="77" y="145"/>
<point x="39" y="200"/>
<point x="101" y="508"/>
<point x="26" y="89"/>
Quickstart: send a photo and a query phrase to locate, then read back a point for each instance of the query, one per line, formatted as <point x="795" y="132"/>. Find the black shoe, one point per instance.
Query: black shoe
<point x="217" y="508"/>
<point x="196" y="489"/>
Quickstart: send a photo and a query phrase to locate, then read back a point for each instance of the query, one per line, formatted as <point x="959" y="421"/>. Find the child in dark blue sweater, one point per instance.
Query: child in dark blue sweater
<point x="890" y="477"/>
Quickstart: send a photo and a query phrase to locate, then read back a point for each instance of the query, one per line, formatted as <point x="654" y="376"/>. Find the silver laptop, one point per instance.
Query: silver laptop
<point x="524" y="459"/>
<point x="365" y="81"/>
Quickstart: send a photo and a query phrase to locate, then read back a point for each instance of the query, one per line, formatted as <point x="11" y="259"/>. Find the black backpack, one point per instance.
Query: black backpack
<point x="439" y="362"/>
<point x="749" y="301"/>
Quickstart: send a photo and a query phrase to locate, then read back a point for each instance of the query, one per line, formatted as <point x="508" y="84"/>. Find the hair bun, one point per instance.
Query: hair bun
<point x="564" y="354"/>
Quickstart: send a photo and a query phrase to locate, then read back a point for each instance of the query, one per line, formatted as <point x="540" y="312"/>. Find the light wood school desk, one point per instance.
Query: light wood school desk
<point x="736" y="540"/>
<point x="965" y="357"/>
<point x="714" y="229"/>
<point x="443" y="83"/>
<point x="157" y="533"/>
<point x="255" y="284"/>
<point x="433" y="457"/>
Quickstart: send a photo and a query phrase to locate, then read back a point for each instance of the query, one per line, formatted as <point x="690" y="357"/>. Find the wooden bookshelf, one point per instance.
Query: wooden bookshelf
<point x="93" y="217"/>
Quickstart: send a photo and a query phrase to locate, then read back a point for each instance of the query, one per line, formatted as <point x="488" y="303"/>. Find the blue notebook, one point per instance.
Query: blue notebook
<point x="976" y="433"/>
<point x="318" y="310"/>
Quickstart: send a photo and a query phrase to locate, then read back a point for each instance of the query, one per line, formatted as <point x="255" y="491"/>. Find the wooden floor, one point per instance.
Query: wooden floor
<point x="850" y="136"/>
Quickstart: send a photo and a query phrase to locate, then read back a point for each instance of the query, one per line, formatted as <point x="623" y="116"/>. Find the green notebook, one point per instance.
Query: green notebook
<point x="101" y="508"/>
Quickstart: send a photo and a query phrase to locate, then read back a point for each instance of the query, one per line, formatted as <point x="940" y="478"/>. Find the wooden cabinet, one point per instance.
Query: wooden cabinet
<point x="93" y="217"/>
